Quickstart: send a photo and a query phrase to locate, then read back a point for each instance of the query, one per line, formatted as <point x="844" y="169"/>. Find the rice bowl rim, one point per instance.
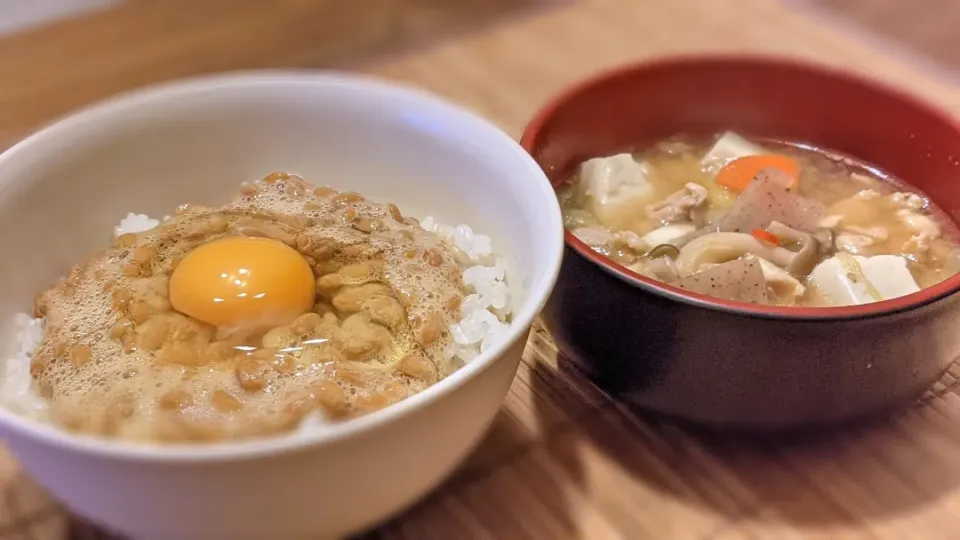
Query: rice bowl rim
<point x="103" y="113"/>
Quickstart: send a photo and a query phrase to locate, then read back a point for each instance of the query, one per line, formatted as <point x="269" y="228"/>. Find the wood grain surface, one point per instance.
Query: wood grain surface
<point x="562" y="460"/>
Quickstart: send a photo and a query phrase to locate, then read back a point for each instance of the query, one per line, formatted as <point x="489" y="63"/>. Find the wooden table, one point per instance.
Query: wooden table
<point x="562" y="460"/>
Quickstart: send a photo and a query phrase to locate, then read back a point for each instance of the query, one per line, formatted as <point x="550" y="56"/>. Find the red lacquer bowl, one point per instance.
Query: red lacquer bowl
<point x="728" y="363"/>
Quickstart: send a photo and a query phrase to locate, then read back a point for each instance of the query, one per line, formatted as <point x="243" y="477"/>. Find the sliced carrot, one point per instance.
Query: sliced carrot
<point x="766" y="236"/>
<point x="738" y="174"/>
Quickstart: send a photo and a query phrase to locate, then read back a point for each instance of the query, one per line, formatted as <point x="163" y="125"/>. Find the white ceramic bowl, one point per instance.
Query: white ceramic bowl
<point x="64" y="188"/>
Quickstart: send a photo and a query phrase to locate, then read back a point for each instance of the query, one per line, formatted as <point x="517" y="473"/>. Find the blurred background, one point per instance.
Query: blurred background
<point x="58" y="54"/>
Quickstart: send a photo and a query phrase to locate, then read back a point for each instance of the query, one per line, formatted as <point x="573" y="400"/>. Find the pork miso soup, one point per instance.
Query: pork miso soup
<point x="760" y="222"/>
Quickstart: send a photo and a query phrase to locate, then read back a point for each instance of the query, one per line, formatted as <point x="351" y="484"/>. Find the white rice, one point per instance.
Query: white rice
<point x="135" y="223"/>
<point x="17" y="392"/>
<point x="486" y="309"/>
<point x="484" y="315"/>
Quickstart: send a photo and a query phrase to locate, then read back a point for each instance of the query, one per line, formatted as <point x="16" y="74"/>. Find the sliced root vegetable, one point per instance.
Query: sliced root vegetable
<point x="766" y="200"/>
<point x="738" y="174"/>
<point x="740" y="280"/>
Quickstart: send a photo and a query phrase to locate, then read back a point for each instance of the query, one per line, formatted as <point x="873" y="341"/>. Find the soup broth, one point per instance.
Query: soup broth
<point x="760" y="221"/>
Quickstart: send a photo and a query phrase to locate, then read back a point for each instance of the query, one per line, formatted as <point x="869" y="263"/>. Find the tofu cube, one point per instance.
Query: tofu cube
<point x="840" y="279"/>
<point x="615" y="186"/>
<point x="729" y="147"/>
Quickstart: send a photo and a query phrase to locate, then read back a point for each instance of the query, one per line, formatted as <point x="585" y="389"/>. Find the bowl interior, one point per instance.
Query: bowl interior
<point x="64" y="189"/>
<point x="764" y="97"/>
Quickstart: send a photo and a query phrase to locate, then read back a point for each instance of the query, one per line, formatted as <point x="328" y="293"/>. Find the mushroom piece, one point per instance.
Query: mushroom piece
<point x="668" y="234"/>
<point x="661" y="269"/>
<point x="784" y="286"/>
<point x="804" y="258"/>
<point x="690" y="237"/>
<point x="717" y="248"/>
<point x="664" y="250"/>
<point x="825" y="239"/>
<point x="721" y="247"/>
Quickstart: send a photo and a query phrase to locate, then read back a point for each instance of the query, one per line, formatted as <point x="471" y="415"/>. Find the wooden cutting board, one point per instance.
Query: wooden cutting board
<point x="562" y="460"/>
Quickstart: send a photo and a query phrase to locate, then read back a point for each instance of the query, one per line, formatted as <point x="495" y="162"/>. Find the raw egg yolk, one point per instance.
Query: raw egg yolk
<point x="243" y="282"/>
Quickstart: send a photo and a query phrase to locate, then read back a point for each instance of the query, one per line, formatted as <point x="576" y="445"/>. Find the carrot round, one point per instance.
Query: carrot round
<point x="738" y="174"/>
